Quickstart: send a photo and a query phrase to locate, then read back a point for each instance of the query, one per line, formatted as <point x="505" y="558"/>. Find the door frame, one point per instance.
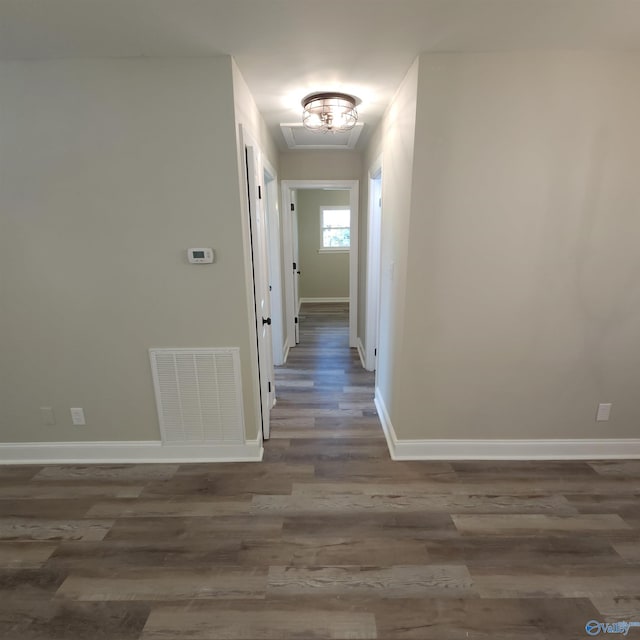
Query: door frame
<point x="264" y="352"/>
<point x="353" y="187"/>
<point x="274" y="258"/>
<point x="291" y="313"/>
<point x="374" y="239"/>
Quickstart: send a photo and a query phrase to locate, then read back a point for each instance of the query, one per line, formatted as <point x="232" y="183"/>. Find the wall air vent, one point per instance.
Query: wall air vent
<point x="298" y="137"/>
<point x="198" y="395"/>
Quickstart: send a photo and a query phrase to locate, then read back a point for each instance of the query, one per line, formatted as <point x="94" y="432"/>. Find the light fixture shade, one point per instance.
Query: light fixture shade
<point x="326" y="112"/>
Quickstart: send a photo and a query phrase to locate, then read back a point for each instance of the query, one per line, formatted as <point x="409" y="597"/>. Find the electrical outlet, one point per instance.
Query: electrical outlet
<point x="604" y="410"/>
<point x="77" y="416"/>
<point x="48" y="417"/>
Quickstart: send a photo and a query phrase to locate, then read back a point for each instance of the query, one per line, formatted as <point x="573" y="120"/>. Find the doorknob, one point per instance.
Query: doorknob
<point x="266" y="320"/>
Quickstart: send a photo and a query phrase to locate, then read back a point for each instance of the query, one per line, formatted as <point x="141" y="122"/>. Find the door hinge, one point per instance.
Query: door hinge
<point x="294" y="266"/>
<point x="375" y="352"/>
<point x="293" y="207"/>
<point x="296" y="321"/>
<point x="259" y="192"/>
<point x="269" y="383"/>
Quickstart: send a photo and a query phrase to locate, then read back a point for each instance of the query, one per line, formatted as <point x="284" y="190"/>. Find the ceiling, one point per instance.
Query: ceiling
<point x="286" y="49"/>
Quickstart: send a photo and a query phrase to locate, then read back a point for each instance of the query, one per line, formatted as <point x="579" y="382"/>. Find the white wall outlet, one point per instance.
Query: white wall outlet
<point x="604" y="410"/>
<point x="48" y="417"/>
<point x="77" y="416"/>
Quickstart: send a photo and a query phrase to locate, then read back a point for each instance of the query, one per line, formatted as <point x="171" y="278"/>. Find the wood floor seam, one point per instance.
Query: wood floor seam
<point x="326" y="539"/>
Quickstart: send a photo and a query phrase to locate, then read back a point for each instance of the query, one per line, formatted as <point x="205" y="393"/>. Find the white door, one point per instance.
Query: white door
<point x="258" y="227"/>
<point x="296" y="263"/>
<point x="270" y="197"/>
<point x="373" y="266"/>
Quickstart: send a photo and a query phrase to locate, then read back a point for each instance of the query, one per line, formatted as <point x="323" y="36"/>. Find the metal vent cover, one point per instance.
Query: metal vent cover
<point x="198" y="395"/>
<point x="298" y="137"/>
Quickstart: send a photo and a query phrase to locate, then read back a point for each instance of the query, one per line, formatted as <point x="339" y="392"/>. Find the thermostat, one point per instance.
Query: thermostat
<point x="201" y="256"/>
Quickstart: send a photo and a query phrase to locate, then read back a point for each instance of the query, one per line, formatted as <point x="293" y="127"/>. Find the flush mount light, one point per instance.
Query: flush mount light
<point x="335" y="112"/>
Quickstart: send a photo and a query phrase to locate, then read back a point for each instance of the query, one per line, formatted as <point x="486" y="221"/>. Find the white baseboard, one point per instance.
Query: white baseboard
<point x="360" y="348"/>
<point x="302" y="300"/>
<point x="537" y="449"/>
<point x="127" y="452"/>
<point x="385" y="420"/>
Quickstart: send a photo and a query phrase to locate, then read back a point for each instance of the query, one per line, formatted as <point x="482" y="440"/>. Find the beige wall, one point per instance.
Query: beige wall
<point x="394" y="138"/>
<point x="320" y="165"/>
<point x="523" y="299"/>
<point x="110" y="169"/>
<point x="248" y="116"/>
<point x="323" y="275"/>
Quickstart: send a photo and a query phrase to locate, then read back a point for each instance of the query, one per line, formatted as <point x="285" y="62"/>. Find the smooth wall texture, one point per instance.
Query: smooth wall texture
<point x="523" y="281"/>
<point x="394" y="138"/>
<point x="323" y="275"/>
<point x="248" y="116"/>
<point x="110" y="169"/>
<point x="320" y="165"/>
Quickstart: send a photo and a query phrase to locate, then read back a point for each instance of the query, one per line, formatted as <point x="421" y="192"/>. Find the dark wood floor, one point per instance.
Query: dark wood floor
<point x="328" y="538"/>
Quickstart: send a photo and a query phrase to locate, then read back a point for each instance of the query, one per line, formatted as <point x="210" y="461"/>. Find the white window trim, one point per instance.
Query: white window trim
<point x="336" y="207"/>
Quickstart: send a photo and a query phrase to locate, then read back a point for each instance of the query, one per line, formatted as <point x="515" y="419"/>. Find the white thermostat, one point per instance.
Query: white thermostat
<point x="201" y="256"/>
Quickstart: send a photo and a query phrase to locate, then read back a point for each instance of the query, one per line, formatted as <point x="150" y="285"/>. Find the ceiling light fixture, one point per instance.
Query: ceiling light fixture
<point x="335" y="112"/>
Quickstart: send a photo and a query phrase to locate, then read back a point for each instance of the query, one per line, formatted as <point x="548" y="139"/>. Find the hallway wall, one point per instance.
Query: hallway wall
<point x="517" y="308"/>
<point x="394" y="137"/>
<point x="320" y="165"/>
<point x="110" y="169"/>
<point x="523" y="305"/>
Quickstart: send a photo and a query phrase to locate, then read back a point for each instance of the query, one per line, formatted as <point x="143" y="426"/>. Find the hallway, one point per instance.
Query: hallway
<point x="328" y="538"/>
<point x="323" y="392"/>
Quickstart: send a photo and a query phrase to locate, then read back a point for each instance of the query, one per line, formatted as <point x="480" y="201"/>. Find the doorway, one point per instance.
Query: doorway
<point x="273" y="229"/>
<point x="374" y="229"/>
<point x="256" y="171"/>
<point x="293" y="268"/>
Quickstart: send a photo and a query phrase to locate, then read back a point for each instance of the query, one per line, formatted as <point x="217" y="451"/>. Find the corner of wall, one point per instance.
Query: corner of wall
<point x="394" y="138"/>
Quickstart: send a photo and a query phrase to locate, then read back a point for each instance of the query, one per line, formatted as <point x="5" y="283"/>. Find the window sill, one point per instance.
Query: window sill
<point x="335" y="250"/>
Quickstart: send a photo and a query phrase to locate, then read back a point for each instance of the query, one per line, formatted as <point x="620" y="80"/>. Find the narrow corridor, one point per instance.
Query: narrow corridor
<point x="324" y="395"/>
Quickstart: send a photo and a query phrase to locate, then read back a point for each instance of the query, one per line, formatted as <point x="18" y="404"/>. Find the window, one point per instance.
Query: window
<point x="335" y="229"/>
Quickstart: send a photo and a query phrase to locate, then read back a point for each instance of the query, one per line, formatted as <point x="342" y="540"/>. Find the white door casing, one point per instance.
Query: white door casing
<point x="289" y="187"/>
<point x="288" y="197"/>
<point x="295" y="245"/>
<point x="278" y="334"/>
<point x="374" y="228"/>
<point x="259" y="252"/>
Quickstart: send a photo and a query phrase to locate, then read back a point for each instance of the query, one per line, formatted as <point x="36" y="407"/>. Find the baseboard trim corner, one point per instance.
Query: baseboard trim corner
<point x="303" y="300"/>
<point x="360" y="348"/>
<point x="538" y="449"/>
<point x="504" y="449"/>
<point x="151" y="451"/>
<point x="385" y="420"/>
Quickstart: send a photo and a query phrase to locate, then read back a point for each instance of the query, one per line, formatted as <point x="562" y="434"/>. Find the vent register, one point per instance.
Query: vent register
<point x="198" y="395"/>
<point x="297" y="137"/>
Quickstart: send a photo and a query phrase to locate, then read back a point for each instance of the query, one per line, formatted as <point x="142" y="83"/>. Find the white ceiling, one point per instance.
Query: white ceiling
<point x="287" y="48"/>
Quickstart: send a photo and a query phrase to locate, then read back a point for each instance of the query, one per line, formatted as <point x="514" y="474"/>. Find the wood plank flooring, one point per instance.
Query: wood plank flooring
<point x="327" y="538"/>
